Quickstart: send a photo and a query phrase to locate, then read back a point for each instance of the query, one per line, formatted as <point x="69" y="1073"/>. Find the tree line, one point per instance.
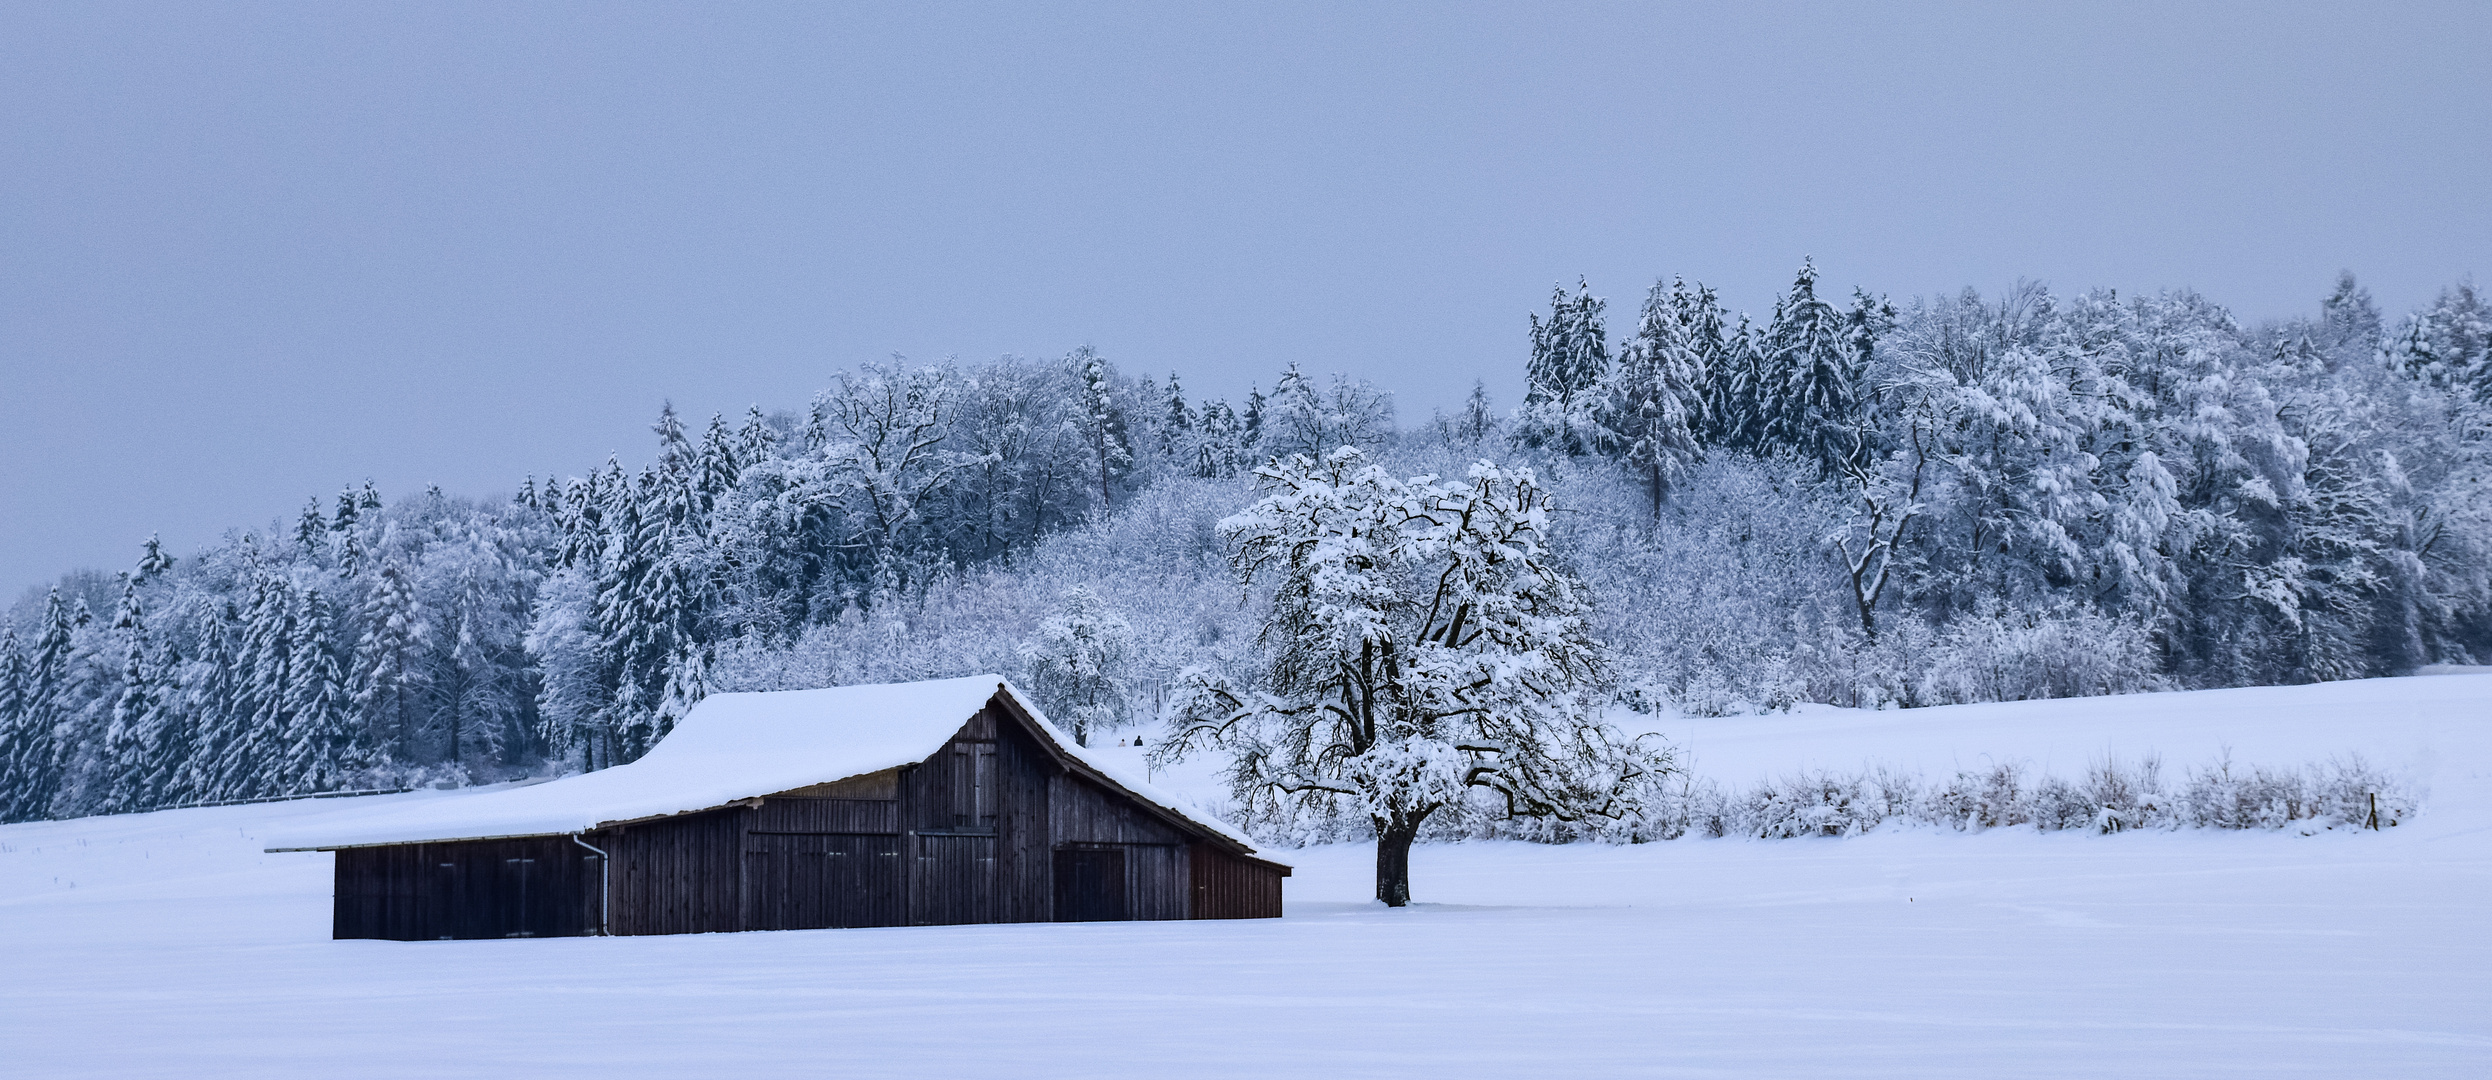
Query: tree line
<point x="1864" y="502"/>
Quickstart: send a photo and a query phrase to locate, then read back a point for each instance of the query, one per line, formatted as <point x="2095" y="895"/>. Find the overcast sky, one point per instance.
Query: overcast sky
<point x="250" y="253"/>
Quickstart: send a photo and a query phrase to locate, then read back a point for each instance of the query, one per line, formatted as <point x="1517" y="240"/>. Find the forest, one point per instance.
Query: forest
<point x="1847" y="499"/>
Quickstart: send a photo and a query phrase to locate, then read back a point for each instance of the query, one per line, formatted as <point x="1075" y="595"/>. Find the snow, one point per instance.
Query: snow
<point x="2407" y="726"/>
<point x="168" y="944"/>
<point x="729" y="747"/>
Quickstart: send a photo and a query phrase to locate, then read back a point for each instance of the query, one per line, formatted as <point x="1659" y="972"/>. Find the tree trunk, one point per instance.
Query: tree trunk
<point x="1393" y="839"/>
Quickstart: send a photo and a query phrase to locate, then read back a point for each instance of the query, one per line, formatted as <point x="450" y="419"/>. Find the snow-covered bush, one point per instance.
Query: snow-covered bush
<point x="2336" y="793"/>
<point x="2002" y="655"/>
<point x="2111" y="796"/>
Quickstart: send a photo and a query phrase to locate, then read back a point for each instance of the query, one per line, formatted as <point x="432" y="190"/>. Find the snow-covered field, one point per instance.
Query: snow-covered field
<point x="167" y="944"/>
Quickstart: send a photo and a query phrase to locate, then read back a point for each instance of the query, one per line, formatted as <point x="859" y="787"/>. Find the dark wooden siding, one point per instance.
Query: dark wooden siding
<point x="1024" y="865"/>
<point x="1228" y="886"/>
<point x="811" y="881"/>
<point x="1085" y="815"/>
<point x="533" y="887"/>
<point x="782" y="814"/>
<point x="1082" y="812"/>
<point x="679" y="875"/>
<point x="953" y="880"/>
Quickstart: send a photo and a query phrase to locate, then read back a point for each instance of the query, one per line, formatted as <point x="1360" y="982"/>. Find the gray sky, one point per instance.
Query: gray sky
<point x="250" y="253"/>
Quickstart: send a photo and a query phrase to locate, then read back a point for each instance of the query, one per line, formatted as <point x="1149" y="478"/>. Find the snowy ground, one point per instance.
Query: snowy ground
<point x="168" y="945"/>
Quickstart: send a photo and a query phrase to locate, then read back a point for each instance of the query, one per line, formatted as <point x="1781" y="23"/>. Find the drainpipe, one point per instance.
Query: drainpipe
<point x="605" y="885"/>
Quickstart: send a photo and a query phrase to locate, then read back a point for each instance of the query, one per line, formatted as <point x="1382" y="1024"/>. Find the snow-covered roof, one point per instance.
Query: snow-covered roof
<point x="730" y="747"/>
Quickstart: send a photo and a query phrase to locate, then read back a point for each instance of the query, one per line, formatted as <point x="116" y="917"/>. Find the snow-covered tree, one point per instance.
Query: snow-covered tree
<point x="16" y="734"/>
<point x="1422" y="644"/>
<point x="1569" y="362"/>
<point x="1653" y="404"/>
<point x="34" y="749"/>
<point x="321" y="751"/>
<point x="383" y="678"/>
<point x="1303" y="418"/>
<point x="1809" y="397"/>
<point x="1103" y="423"/>
<point x="1079" y="661"/>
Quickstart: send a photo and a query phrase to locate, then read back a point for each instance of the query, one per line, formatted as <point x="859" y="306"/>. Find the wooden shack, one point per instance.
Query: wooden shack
<point x="912" y="804"/>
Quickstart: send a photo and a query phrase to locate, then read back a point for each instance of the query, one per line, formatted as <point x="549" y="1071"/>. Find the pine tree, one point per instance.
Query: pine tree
<point x="166" y="732"/>
<point x="755" y="441"/>
<point x="1811" y="406"/>
<point x="2351" y="320"/>
<point x="211" y="702"/>
<point x="1478" y="420"/>
<point x="385" y="674"/>
<point x="1652" y="396"/>
<point x="129" y="739"/>
<point x="255" y="761"/>
<point x="628" y="668"/>
<point x="16" y="726"/>
<point x="1221" y="444"/>
<point x="1176" y="425"/>
<point x="311" y="530"/>
<point x="320" y="749"/>
<point x="1705" y="320"/>
<point x="1253" y="430"/>
<point x="35" y="766"/>
<point x="1569" y="362"/>
<point x="1736" y="400"/>
<point x="718" y="466"/>
<point x="1103" y="423"/>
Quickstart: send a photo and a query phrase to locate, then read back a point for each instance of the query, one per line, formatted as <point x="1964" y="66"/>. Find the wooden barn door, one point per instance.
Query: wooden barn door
<point x="813" y="881"/>
<point x="521" y="898"/>
<point x="1090" y="885"/>
<point x="954" y="880"/>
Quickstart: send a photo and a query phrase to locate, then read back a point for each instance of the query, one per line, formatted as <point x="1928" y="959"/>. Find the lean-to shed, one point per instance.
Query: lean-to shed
<point x="949" y="801"/>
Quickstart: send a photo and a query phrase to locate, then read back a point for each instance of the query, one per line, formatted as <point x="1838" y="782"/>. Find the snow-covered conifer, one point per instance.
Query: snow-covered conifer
<point x="383" y="675"/>
<point x="1176" y="424"/>
<point x="1569" y="362"/>
<point x="1103" y="423"/>
<point x="1811" y="402"/>
<point x="17" y="736"/>
<point x="1652" y="403"/>
<point x="320" y="750"/>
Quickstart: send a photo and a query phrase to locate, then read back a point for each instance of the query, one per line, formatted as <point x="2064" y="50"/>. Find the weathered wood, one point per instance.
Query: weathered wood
<point x="881" y="785"/>
<point x="476" y="889"/>
<point x="1228" y="886"/>
<point x="815" y="881"/>
<point x="678" y="875"/>
<point x="781" y="814"/>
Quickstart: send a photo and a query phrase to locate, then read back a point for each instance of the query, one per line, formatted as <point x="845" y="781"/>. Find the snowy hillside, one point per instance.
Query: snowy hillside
<point x="169" y="944"/>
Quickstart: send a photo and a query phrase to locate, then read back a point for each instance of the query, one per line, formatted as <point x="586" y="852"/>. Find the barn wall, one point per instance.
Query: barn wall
<point x="1082" y="812"/>
<point x="537" y="887"/>
<point x="1024" y="864"/>
<point x="679" y="875"/>
<point x="977" y="813"/>
<point x="1157" y="878"/>
<point x="1228" y="886"/>
<point x="781" y="814"/>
